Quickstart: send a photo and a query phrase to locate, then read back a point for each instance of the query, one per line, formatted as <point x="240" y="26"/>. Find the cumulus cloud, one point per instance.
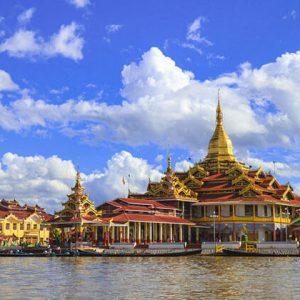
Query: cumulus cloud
<point x="165" y="105"/>
<point x="36" y="179"/>
<point x="183" y="166"/>
<point x="79" y="3"/>
<point x="67" y="42"/>
<point x="6" y="83"/>
<point x="136" y="172"/>
<point x="47" y="181"/>
<point x="26" y="16"/>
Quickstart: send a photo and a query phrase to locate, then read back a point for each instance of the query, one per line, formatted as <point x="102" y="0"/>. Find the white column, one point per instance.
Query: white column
<point x="155" y="232"/>
<point x="113" y="234"/>
<point x="145" y="231"/>
<point x="128" y="233"/>
<point x="180" y="233"/>
<point x="121" y="233"/>
<point x="160" y="232"/>
<point x="171" y="232"/>
<point x="135" y="237"/>
<point x="150" y="232"/>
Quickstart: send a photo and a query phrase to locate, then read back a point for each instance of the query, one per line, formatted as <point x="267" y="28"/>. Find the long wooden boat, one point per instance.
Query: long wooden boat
<point x="238" y="252"/>
<point x="150" y="253"/>
<point x="110" y="253"/>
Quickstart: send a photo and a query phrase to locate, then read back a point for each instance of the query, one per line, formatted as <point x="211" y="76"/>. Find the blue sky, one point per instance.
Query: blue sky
<point x="111" y="86"/>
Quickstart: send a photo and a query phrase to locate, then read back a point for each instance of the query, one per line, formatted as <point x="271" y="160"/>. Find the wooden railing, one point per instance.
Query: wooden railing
<point x="243" y="219"/>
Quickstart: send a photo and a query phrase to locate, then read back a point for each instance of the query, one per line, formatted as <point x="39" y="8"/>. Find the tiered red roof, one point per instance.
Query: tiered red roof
<point x="13" y="207"/>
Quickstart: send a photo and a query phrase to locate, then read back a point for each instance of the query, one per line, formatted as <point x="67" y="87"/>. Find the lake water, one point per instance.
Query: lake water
<point x="192" y="277"/>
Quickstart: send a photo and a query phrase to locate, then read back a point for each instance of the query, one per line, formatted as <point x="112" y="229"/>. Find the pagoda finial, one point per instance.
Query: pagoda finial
<point x="219" y="116"/>
<point x="78" y="187"/>
<point x="169" y="163"/>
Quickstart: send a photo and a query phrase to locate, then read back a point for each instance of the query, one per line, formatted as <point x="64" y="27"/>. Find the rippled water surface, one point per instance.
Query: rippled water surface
<point x="150" y="278"/>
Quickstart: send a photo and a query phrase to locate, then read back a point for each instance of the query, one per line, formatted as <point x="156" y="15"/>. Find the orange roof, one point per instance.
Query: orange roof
<point x="154" y="203"/>
<point x="150" y="218"/>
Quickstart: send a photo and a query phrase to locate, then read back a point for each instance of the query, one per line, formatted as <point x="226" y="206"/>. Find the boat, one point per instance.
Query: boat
<point x="240" y="252"/>
<point x="149" y="252"/>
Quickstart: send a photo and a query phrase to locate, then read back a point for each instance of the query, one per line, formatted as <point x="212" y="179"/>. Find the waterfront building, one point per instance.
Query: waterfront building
<point x="22" y="224"/>
<point x="120" y="220"/>
<point x="224" y="196"/>
<point x="218" y="198"/>
<point x="78" y="220"/>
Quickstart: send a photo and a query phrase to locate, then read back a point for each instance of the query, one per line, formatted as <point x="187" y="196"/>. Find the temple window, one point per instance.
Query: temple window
<point x="265" y="210"/>
<point x="14" y="226"/>
<point x="240" y="210"/>
<point x="226" y="210"/>
<point x="212" y="209"/>
<point x="248" y="210"/>
<point x="198" y="211"/>
<point x="0" y="227"/>
<point x="22" y="226"/>
<point x="35" y="226"/>
<point x="7" y="226"/>
<point x="277" y="211"/>
<point x="28" y="226"/>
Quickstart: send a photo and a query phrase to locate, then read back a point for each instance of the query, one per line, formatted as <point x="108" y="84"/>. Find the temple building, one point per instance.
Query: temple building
<point x="121" y="220"/>
<point x="223" y="195"/>
<point x="218" y="198"/>
<point x="22" y="224"/>
<point x="78" y="220"/>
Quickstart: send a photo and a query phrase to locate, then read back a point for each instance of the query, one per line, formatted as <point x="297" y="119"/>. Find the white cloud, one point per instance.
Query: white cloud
<point x="183" y="166"/>
<point x="22" y="43"/>
<point x="26" y="16"/>
<point x="111" y="28"/>
<point x="67" y="42"/>
<point x="36" y="179"/>
<point x="194" y="32"/>
<point x="165" y="105"/>
<point x="47" y="181"/>
<point x="194" y="37"/>
<point x="79" y="3"/>
<point x="108" y="183"/>
<point x="159" y="158"/>
<point x="59" y="91"/>
<point x="6" y="83"/>
<point x="25" y="43"/>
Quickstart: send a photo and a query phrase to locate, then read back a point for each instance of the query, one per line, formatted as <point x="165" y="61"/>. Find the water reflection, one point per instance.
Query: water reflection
<point x="150" y="278"/>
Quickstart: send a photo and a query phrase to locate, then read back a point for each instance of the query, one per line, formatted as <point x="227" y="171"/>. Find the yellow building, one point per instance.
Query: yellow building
<point x="22" y="224"/>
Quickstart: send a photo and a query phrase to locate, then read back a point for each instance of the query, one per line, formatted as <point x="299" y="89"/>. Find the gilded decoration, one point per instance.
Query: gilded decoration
<point x="170" y="186"/>
<point x="78" y="203"/>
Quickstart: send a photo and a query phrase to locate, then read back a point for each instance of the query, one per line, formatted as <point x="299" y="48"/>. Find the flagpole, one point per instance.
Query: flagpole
<point x="128" y="184"/>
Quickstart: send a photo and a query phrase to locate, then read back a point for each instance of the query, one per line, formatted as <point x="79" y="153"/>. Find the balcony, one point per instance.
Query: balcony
<point x="242" y="219"/>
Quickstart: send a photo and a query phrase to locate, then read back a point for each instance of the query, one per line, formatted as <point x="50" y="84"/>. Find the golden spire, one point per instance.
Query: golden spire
<point x="219" y="117"/>
<point x="169" y="163"/>
<point x="78" y="188"/>
<point x="220" y="146"/>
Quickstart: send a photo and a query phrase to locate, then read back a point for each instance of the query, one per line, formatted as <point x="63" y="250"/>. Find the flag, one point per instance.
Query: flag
<point x="123" y="180"/>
